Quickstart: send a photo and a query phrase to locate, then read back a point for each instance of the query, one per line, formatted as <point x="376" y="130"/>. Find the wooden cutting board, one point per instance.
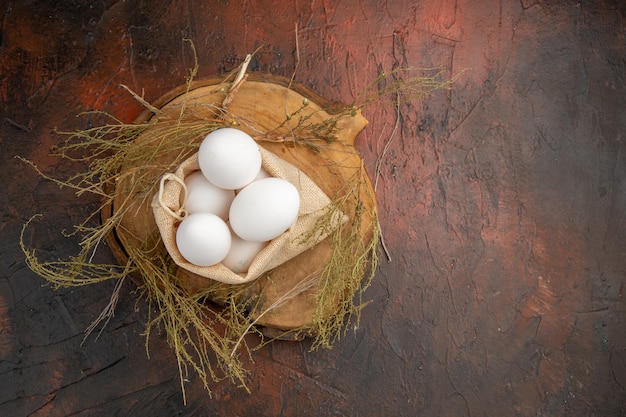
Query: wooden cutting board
<point x="262" y="104"/>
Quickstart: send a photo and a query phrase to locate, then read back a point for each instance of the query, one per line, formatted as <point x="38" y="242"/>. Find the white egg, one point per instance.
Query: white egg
<point x="264" y="209"/>
<point x="229" y="158"/>
<point x="241" y="254"/>
<point x="203" y="239"/>
<point x="262" y="174"/>
<point x="204" y="196"/>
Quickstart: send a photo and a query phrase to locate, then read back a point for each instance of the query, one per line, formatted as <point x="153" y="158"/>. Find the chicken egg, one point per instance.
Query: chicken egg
<point x="204" y="196"/>
<point x="264" y="209"/>
<point x="229" y="158"/>
<point x="203" y="239"/>
<point x="241" y="254"/>
<point x="262" y="174"/>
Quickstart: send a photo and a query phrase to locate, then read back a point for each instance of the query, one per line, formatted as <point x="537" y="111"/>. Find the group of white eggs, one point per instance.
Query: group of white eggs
<point x="234" y="207"/>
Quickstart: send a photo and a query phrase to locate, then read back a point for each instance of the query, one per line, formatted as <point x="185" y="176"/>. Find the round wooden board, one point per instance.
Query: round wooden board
<point x="261" y="105"/>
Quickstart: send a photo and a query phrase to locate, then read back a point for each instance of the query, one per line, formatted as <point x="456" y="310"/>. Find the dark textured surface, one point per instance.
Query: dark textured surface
<point x="502" y="202"/>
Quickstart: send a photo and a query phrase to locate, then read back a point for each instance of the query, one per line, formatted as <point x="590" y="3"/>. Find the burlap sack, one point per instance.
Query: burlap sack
<point x="313" y="205"/>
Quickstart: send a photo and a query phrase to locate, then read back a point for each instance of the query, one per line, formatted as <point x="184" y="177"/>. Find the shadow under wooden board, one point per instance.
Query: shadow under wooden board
<point x="273" y="111"/>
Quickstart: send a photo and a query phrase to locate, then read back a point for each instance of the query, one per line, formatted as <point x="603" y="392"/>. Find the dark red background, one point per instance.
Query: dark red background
<point x="502" y="203"/>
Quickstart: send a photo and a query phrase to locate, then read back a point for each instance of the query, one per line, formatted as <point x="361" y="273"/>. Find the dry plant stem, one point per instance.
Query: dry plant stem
<point x="141" y="100"/>
<point x="241" y="73"/>
<point x="379" y="162"/>
<point x="306" y="284"/>
<point x="384" y="245"/>
<point x="192" y="76"/>
<point x="408" y="88"/>
<point x="295" y="67"/>
<point x="107" y="313"/>
<point x="381" y="157"/>
<point x="241" y="77"/>
<point x="72" y="273"/>
<point x="293" y="75"/>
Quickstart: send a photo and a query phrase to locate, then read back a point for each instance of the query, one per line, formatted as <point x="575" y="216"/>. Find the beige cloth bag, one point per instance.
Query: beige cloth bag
<point x="314" y="203"/>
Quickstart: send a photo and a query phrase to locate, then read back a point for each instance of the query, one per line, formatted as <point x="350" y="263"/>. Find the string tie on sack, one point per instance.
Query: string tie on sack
<point x="179" y="213"/>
